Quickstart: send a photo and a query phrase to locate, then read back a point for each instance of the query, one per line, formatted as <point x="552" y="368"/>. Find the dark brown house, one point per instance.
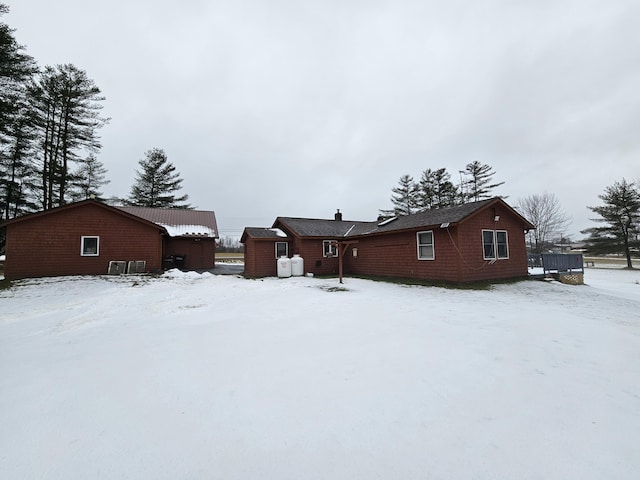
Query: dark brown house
<point x="482" y="240"/>
<point x="92" y="238"/>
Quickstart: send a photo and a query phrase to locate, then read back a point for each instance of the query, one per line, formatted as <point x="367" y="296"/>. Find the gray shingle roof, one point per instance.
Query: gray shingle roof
<point x="309" y="227"/>
<point x="312" y="227"/>
<point x="427" y="218"/>
<point x="261" y="232"/>
<point x="179" y="222"/>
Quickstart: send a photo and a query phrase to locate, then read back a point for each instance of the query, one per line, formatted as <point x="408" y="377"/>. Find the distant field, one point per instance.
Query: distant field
<point x="609" y="261"/>
<point x="229" y="257"/>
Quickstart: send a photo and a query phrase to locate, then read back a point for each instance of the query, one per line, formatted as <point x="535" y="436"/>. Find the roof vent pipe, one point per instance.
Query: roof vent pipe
<point x="338" y="216"/>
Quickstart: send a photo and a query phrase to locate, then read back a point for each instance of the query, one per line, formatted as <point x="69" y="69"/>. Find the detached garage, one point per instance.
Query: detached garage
<point x="92" y="238"/>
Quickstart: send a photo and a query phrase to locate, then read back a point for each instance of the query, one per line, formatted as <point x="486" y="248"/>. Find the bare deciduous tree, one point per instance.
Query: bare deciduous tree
<point x="548" y="216"/>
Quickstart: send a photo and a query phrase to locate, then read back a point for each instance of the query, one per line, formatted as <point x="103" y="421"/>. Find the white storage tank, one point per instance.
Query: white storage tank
<point x="297" y="265"/>
<point x="284" y="267"/>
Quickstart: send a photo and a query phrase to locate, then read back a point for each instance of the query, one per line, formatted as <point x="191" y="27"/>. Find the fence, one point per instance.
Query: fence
<point x="557" y="262"/>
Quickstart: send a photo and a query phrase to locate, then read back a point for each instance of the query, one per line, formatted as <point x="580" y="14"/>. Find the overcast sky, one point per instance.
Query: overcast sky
<point x="297" y="108"/>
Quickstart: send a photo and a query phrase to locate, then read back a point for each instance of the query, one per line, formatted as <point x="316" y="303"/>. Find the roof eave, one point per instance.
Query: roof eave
<point x="69" y="206"/>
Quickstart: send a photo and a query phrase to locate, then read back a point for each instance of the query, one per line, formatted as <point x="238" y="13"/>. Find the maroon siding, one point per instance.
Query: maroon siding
<point x="260" y="257"/>
<point x="458" y="252"/>
<point x="396" y="255"/>
<point x="311" y="252"/>
<point x="390" y="252"/>
<point x="200" y="253"/>
<point x="474" y="267"/>
<point x="49" y="244"/>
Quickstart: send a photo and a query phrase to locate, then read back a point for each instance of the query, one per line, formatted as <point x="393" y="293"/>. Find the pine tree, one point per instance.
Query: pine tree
<point x="89" y="178"/>
<point x="67" y="105"/>
<point x="621" y="214"/>
<point x="435" y="189"/>
<point x="18" y="175"/>
<point x="478" y="185"/>
<point x="156" y="182"/>
<point x="16" y="129"/>
<point x="15" y="68"/>
<point x="404" y="198"/>
<point x="427" y="190"/>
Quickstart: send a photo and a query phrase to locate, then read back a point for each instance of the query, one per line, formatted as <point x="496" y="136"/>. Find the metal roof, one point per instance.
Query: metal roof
<point x="179" y="222"/>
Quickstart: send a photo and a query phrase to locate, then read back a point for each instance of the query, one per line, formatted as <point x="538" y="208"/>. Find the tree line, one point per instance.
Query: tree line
<point x="50" y="119"/>
<point x="619" y="216"/>
<point x="49" y="123"/>
<point x="435" y="189"/>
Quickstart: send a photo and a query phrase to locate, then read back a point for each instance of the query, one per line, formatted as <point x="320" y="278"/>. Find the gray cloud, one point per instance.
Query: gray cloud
<point x="299" y="108"/>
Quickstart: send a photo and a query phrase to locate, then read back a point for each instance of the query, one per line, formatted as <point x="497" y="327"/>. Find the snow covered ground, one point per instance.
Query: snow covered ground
<point x="190" y="376"/>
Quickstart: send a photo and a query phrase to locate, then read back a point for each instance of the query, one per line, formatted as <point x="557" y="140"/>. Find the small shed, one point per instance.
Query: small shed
<point x="264" y="247"/>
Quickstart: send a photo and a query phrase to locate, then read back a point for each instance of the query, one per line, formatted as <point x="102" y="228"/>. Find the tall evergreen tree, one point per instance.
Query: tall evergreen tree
<point x="621" y="216"/>
<point x="67" y="105"/>
<point x="89" y="178"/>
<point x="15" y="68"/>
<point x="404" y="198"/>
<point x="435" y="189"/>
<point x="16" y="132"/>
<point x="156" y="182"/>
<point x="18" y="176"/>
<point x="478" y="185"/>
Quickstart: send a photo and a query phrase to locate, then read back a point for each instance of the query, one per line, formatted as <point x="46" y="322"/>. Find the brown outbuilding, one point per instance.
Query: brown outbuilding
<point x="93" y="238"/>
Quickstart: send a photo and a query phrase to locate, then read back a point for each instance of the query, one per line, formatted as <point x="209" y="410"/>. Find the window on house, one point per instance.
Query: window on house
<point x="282" y="249"/>
<point x="502" y="244"/>
<point x="329" y="248"/>
<point x="90" y="246"/>
<point x="425" y="245"/>
<point x="495" y="241"/>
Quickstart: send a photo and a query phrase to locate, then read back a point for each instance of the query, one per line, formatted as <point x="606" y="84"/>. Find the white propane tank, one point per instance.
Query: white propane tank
<point x="284" y="267"/>
<point x="297" y="265"/>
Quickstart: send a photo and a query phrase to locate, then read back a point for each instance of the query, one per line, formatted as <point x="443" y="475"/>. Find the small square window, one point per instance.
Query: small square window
<point x="329" y="248"/>
<point x="90" y="246"/>
<point x="282" y="249"/>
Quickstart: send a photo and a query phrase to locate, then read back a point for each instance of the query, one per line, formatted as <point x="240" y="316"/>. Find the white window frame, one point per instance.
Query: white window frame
<point x="83" y="252"/>
<point x="286" y="249"/>
<point x="329" y="246"/>
<point x="506" y="245"/>
<point x="431" y="244"/>
<point x="495" y="245"/>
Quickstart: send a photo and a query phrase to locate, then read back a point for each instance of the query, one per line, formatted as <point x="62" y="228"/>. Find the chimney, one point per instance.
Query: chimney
<point x="338" y="216"/>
